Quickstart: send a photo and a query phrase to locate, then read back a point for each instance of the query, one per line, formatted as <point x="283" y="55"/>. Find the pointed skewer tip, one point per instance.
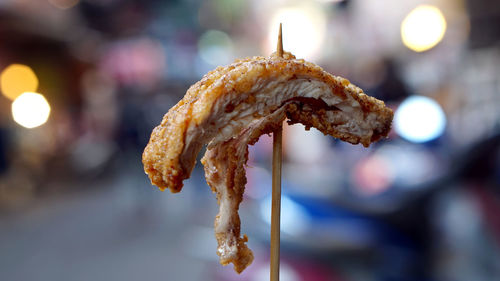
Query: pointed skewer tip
<point x="279" y="46"/>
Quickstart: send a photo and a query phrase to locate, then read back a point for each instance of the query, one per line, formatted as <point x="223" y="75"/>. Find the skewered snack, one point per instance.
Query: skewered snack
<point x="231" y="107"/>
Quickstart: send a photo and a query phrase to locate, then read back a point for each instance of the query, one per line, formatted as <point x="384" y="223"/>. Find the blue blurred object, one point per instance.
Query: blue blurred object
<point x="315" y="227"/>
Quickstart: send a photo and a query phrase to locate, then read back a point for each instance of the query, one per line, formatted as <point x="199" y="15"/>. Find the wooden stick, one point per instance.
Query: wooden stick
<point x="279" y="46"/>
<point x="276" y="193"/>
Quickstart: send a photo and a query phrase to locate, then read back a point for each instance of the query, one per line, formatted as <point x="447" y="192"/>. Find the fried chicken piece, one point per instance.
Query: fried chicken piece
<point x="231" y="107"/>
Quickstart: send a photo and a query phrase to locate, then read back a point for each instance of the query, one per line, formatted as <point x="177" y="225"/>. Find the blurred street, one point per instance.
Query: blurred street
<point x="122" y="229"/>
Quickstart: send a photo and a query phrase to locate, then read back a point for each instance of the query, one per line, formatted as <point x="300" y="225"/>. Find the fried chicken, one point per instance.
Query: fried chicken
<point x="231" y="107"/>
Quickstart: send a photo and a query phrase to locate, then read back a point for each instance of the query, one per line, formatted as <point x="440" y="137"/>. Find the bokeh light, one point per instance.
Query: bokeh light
<point x="30" y="110"/>
<point x="17" y="79"/>
<point x="423" y="28"/>
<point x="216" y="48"/>
<point x="410" y="165"/>
<point x="295" y="219"/>
<point x="303" y="30"/>
<point x="419" y="119"/>
<point x="373" y="175"/>
<point x="139" y="61"/>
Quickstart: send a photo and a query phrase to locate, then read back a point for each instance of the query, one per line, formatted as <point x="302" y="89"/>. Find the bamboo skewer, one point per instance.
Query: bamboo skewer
<point x="279" y="46"/>
<point x="276" y="192"/>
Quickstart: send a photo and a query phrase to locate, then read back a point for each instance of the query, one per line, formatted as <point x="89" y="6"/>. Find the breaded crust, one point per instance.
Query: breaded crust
<point x="231" y="107"/>
<point x="170" y="154"/>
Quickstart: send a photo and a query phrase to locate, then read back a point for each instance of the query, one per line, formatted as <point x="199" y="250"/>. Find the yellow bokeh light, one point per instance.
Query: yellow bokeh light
<point x="303" y="30"/>
<point x="30" y="110"/>
<point x="17" y="79"/>
<point x="423" y="28"/>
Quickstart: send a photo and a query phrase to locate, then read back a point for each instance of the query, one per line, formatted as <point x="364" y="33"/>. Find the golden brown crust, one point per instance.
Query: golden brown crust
<point x="231" y="107"/>
<point x="165" y="159"/>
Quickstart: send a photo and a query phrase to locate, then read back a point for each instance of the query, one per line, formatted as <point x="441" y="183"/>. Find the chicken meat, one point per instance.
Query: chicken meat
<point x="231" y="107"/>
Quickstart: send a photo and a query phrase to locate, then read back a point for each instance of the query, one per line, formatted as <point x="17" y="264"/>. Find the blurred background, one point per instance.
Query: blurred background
<point x="83" y="82"/>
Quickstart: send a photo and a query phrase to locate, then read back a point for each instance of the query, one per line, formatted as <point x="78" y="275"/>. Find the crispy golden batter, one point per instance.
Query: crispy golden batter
<point x="230" y="107"/>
